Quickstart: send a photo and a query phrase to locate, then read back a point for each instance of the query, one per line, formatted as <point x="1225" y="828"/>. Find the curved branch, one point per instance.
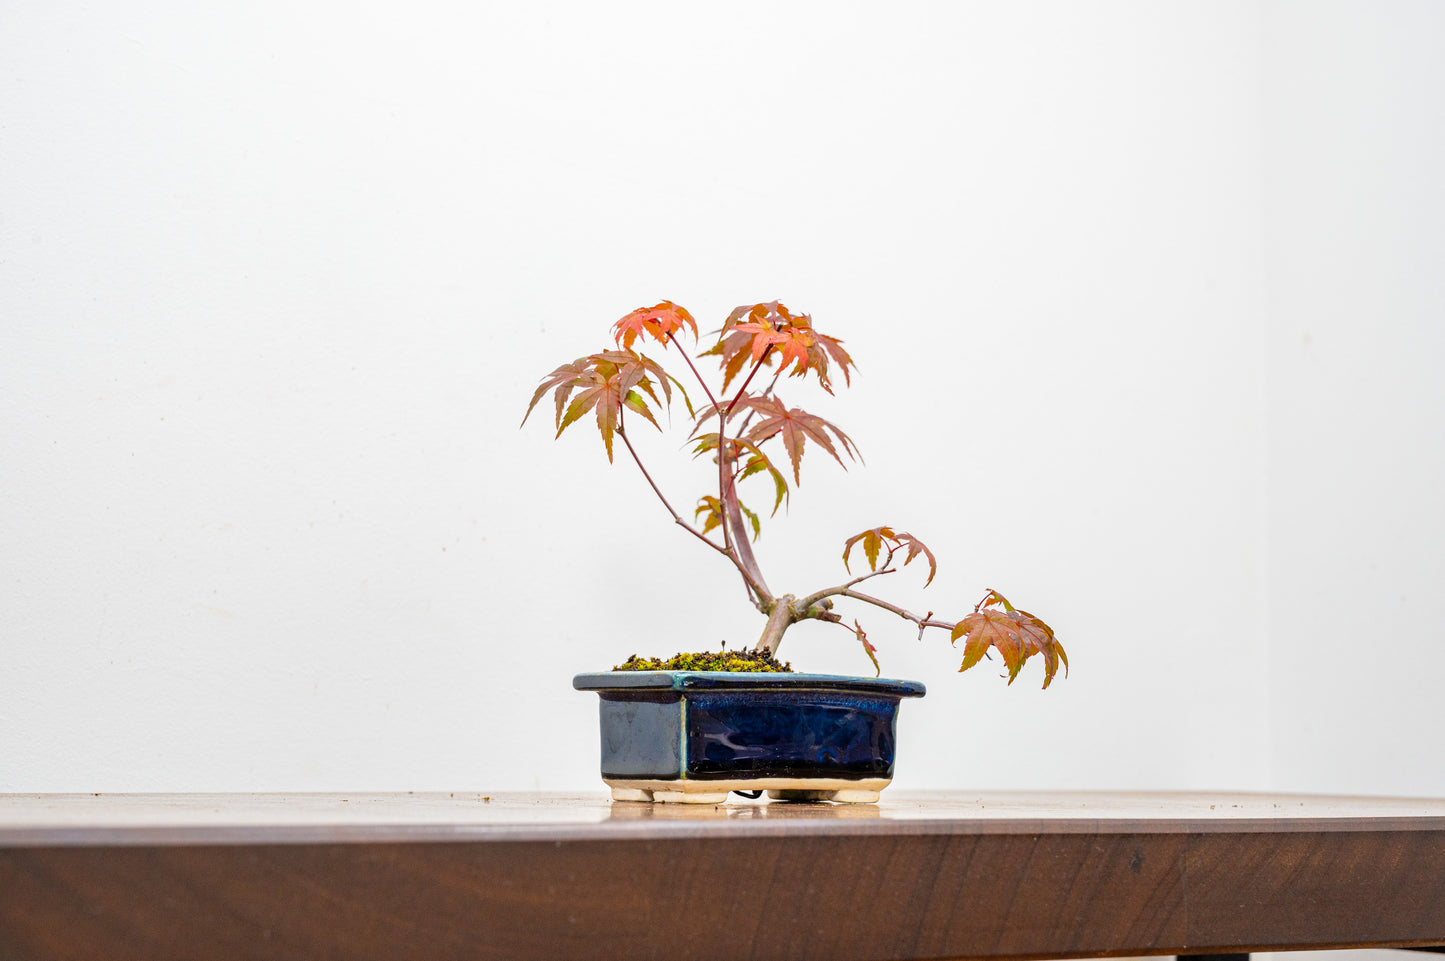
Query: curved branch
<point x="733" y="533"/>
<point x="675" y="516"/>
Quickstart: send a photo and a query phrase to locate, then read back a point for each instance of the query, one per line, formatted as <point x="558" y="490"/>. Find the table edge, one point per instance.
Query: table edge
<point x="649" y="829"/>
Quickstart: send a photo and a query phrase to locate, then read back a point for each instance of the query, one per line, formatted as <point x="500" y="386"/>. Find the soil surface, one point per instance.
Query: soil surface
<point x="735" y="661"/>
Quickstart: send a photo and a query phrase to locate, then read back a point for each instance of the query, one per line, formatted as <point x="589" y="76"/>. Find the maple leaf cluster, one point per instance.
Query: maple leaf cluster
<point x="606" y="382"/>
<point x="752" y="332"/>
<point x="659" y="322"/>
<point x="879" y="538"/>
<point x="741" y="430"/>
<point x="1015" y="634"/>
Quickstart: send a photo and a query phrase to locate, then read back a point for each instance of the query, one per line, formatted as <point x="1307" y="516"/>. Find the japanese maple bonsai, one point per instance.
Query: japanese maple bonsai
<point x="741" y="428"/>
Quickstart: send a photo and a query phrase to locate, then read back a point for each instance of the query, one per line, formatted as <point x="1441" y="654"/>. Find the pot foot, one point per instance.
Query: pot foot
<point x="630" y="794"/>
<point x="840" y="797"/>
<point x="693" y="791"/>
<point x="669" y="797"/>
<point x="684" y="797"/>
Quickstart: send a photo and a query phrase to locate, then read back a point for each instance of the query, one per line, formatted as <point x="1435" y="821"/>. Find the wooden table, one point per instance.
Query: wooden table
<point x="437" y="876"/>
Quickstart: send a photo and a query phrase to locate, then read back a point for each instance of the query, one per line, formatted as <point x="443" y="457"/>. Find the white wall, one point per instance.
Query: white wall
<point x="1355" y="201"/>
<point x="276" y="284"/>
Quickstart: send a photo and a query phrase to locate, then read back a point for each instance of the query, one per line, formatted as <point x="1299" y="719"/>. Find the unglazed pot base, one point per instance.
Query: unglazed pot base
<point x="864" y="791"/>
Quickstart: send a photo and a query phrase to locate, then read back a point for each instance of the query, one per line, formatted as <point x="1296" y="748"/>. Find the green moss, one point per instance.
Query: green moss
<point x="736" y="661"/>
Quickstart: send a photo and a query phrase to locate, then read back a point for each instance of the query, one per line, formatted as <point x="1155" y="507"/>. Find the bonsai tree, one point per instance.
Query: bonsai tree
<point x="749" y="430"/>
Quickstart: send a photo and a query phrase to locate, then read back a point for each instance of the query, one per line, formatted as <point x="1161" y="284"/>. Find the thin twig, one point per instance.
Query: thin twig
<point x="906" y="615"/>
<point x="812" y="599"/>
<point x="886" y="568"/>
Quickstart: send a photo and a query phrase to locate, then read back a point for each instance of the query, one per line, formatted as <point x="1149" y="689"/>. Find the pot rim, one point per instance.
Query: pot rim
<point x="743" y="680"/>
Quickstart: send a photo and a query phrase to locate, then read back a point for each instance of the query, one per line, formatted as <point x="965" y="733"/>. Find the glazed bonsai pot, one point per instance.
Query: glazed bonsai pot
<point x="694" y="736"/>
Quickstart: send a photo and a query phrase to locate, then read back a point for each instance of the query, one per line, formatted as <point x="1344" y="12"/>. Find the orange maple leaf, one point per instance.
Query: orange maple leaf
<point x="868" y="648"/>
<point x="1017" y="635"/>
<point x="757" y="332"/>
<point x="607" y="383"/>
<point x="792" y="343"/>
<point x="713" y="508"/>
<point x="756" y="462"/>
<point x="880" y="538"/>
<point x="660" y="322"/>
<point x="796" y="426"/>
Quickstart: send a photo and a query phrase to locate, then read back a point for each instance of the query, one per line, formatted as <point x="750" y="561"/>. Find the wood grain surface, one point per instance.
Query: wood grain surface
<point x="442" y="876"/>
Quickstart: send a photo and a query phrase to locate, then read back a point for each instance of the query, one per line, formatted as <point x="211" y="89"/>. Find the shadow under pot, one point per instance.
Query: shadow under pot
<point x="694" y="736"/>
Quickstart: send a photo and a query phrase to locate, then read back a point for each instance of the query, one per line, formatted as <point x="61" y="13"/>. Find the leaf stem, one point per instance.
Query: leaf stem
<point x="748" y="419"/>
<point x="757" y="366"/>
<point x="688" y="360"/>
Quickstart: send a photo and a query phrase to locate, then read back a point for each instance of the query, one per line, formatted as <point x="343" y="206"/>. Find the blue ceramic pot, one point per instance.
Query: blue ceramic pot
<point x="696" y="735"/>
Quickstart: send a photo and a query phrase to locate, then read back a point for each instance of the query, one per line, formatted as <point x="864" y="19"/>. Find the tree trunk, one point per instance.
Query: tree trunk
<point x="779" y="618"/>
